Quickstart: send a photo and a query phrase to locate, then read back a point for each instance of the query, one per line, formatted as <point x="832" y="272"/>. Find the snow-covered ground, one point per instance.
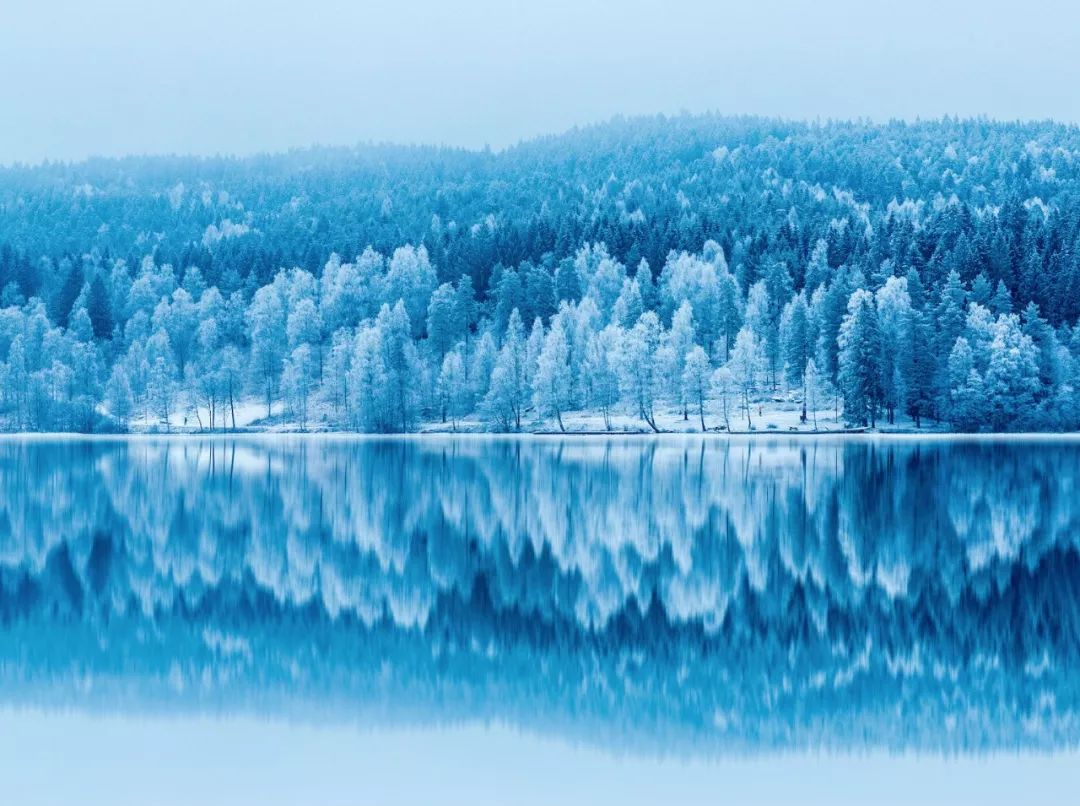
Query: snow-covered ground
<point x="765" y="417"/>
<point x="250" y="415"/>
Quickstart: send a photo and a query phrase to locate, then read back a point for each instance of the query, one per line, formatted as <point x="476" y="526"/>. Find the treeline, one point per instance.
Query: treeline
<point x="695" y="265"/>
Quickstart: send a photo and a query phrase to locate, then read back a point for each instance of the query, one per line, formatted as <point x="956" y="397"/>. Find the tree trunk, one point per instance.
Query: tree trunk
<point x="802" y="418"/>
<point x="649" y="420"/>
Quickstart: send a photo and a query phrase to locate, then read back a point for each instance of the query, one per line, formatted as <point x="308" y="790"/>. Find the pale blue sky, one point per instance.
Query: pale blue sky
<point x="205" y="76"/>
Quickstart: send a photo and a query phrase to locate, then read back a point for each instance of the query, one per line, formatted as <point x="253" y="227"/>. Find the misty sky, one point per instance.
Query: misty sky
<point x="206" y="76"/>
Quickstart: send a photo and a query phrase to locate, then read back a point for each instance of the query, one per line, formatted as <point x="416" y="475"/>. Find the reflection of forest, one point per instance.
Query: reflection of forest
<point x="759" y="593"/>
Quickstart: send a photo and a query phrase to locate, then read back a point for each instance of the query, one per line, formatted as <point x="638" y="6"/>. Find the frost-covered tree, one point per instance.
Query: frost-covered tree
<point x="161" y="392"/>
<point x="401" y="366"/>
<point x="629" y="306"/>
<point x="724" y="390"/>
<point x="445" y="325"/>
<point x="691" y="279"/>
<point x="481" y="364"/>
<point x="696" y="378"/>
<point x="812" y="381"/>
<point x="830" y="308"/>
<point x="797" y="340"/>
<point x="600" y="276"/>
<point x="553" y="385"/>
<point x="544" y="230"/>
<point x="640" y="377"/>
<point x="509" y="391"/>
<point x="231" y="369"/>
<point x="921" y="387"/>
<point x="453" y="388"/>
<point x="304" y="328"/>
<point x="1011" y="383"/>
<point x="746" y="368"/>
<point x="298" y="381"/>
<point x="728" y="314"/>
<point x="533" y="347"/>
<point x="817" y="269"/>
<point x="860" y="376"/>
<point x="895" y="315"/>
<point x="411" y="280"/>
<point x="267" y="320"/>
<point x="118" y="397"/>
<point x="965" y="408"/>
<point x="680" y="340"/>
<point x="367" y="382"/>
<point x="602" y="367"/>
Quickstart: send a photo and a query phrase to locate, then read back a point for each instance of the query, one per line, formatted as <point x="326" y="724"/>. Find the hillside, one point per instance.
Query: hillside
<point x="924" y="270"/>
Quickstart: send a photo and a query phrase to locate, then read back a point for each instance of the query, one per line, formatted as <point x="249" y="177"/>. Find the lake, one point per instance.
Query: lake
<point x="670" y="606"/>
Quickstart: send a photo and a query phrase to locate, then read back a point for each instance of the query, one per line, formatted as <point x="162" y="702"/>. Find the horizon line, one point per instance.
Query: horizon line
<point x="420" y="145"/>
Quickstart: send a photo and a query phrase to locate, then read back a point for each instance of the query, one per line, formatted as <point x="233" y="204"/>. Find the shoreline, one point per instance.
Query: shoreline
<point x="736" y="436"/>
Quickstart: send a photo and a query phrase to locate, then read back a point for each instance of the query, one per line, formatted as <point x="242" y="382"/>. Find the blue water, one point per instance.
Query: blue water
<point x="677" y="599"/>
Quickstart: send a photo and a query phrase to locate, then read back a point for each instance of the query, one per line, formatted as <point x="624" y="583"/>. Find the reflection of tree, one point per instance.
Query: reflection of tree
<point x="771" y="592"/>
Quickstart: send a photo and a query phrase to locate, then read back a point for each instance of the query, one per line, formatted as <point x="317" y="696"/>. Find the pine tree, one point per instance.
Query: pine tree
<point x="796" y="341"/>
<point x="860" y="360"/>
<point x="99" y="309"/>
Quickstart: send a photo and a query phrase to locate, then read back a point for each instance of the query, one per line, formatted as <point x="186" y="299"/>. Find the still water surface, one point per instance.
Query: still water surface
<point x="658" y="601"/>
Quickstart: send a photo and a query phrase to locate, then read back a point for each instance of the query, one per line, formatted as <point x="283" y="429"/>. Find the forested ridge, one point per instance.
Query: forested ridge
<point x="925" y="273"/>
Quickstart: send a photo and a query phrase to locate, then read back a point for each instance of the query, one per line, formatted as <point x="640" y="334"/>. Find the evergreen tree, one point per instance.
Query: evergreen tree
<point x="860" y="360"/>
<point x="99" y="309"/>
<point x="965" y="388"/>
<point x="796" y="341"/>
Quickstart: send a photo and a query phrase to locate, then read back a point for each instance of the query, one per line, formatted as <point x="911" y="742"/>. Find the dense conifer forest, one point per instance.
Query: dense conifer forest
<point x="923" y="275"/>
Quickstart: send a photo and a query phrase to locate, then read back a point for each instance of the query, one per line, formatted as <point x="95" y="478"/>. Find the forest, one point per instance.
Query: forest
<point x="690" y="270"/>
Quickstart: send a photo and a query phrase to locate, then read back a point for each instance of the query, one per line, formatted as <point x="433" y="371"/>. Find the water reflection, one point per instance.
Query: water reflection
<point x="655" y="595"/>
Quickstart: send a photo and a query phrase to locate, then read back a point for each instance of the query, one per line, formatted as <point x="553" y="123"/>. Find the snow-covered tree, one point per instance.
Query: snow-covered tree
<point x="602" y="367"/>
<point x="453" y="388"/>
<point x="797" y="343"/>
<point x="553" y="385"/>
<point x="696" y="378"/>
<point x="746" y="368"/>
<point x="267" y="320"/>
<point x="1012" y="376"/>
<point x="724" y="390"/>
<point x="118" y="397"/>
<point x="640" y="378"/>
<point x="508" y="394"/>
<point x="895" y="315"/>
<point x="965" y="409"/>
<point x="860" y="360"/>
